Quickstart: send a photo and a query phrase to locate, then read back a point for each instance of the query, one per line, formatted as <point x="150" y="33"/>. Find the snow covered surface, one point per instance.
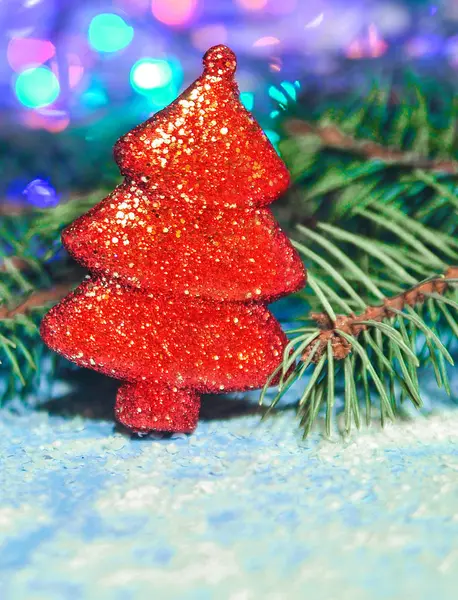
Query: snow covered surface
<point x="241" y="510"/>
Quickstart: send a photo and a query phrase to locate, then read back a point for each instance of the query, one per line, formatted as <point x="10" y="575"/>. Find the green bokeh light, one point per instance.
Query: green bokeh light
<point x="273" y="137"/>
<point x="162" y="97"/>
<point x="37" y="87"/>
<point x="247" y="99"/>
<point x="109" y="33"/>
<point x="150" y="73"/>
<point x="157" y="79"/>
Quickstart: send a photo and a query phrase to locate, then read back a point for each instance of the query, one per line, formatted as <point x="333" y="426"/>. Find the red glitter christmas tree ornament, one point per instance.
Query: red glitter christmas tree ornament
<point x="183" y="257"/>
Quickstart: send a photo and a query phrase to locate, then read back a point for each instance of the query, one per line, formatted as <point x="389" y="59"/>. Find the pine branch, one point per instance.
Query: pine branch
<point x="375" y="194"/>
<point x="354" y="324"/>
<point x="34" y="274"/>
<point x="331" y="136"/>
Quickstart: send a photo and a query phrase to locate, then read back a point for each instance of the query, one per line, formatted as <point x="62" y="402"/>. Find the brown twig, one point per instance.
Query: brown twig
<point x="11" y="209"/>
<point x="351" y="324"/>
<point x="38" y="298"/>
<point x="16" y="262"/>
<point x="332" y="137"/>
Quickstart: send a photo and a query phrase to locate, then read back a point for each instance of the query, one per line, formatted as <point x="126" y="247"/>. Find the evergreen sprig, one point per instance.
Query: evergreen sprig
<point x="375" y="197"/>
<point x="34" y="275"/>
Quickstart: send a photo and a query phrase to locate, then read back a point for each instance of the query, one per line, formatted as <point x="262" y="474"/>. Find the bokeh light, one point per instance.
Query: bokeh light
<point x="278" y="95"/>
<point x="391" y="18"/>
<point x="209" y="35"/>
<point x="157" y="79"/>
<point x="372" y="46"/>
<point x="150" y="73"/>
<point x="452" y="51"/>
<point x="94" y="97"/>
<point x="75" y="69"/>
<point x="423" y="46"/>
<point x="252" y="4"/>
<point x="52" y="120"/>
<point x="134" y="7"/>
<point x="23" y="53"/>
<point x="247" y="99"/>
<point x="162" y="97"/>
<point x="173" y="12"/>
<point x="266" y="41"/>
<point x="281" y="7"/>
<point x="41" y="193"/>
<point x="37" y="87"/>
<point x="109" y="33"/>
<point x="273" y="137"/>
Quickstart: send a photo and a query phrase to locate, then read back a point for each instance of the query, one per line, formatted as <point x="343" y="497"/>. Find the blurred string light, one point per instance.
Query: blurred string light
<point x="316" y="22"/>
<point x="247" y="99"/>
<point x="266" y="41"/>
<point x="391" y="18"/>
<point x="150" y="73"/>
<point x="23" y="53"/>
<point x="423" y="46"/>
<point x="41" y="193"/>
<point x="52" y="120"/>
<point x="276" y="64"/>
<point x="452" y="51"/>
<point x="370" y="46"/>
<point x="157" y="79"/>
<point x="75" y="69"/>
<point x="173" y="12"/>
<point x="94" y="97"/>
<point x="37" y="87"/>
<point x="30" y="3"/>
<point x="209" y="35"/>
<point x="273" y="137"/>
<point x="283" y="96"/>
<point x="252" y="4"/>
<point x="134" y="7"/>
<point x="109" y="33"/>
<point x="281" y="7"/>
<point x="285" y="93"/>
<point x="162" y="97"/>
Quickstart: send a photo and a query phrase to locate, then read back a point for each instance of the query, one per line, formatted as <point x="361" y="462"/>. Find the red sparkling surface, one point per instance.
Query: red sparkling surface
<point x="156" y="407"/>
<point x="154" y="242"/>
<point x="183" y="259"/>
<point x="206" y="148"/>
<point x="178" y="341"/>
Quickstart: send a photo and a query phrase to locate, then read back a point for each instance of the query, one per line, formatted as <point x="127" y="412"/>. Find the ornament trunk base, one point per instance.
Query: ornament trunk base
<point x="145" y="407"/>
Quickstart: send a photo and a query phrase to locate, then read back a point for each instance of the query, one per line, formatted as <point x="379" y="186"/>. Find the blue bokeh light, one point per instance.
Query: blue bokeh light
<point x="41" y="193"/>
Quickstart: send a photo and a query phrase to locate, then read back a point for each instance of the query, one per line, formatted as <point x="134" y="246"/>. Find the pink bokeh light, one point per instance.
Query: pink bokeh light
<point x="370" y="46"/>
<point x="209" y="35"/>
<point x="23" y="53"/>
<point x="252" y="4"/>
<point x="53" y="121"/>
<point x="266" y="41"/>
<point x="75" y="69"/>
<point x="281" y="7"/>
<point x="173" y="12"/>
